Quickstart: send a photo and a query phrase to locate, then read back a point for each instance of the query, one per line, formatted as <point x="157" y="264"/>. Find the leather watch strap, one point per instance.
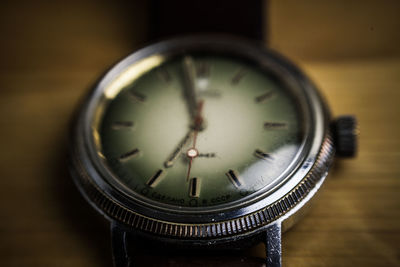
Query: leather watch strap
<point x="198" y="261"/>
<point x="178" y="17"/>
<point x="131" y="250"/>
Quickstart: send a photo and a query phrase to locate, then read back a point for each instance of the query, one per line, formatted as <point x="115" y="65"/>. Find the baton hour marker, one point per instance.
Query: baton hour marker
<point x="261" y="154"/>
<point x="275" y="125"/>
<point x="129" y="155"/>
<point x="155" y="179"/>
<point x="203" y="70"/>
<point x="264" y="97"/>
<point x="194" y="187"/>
<point x="137" y="97"/>
<point x="122" y="125"/>
<point x="238" y="76"/>
<point x="234" y="178"/>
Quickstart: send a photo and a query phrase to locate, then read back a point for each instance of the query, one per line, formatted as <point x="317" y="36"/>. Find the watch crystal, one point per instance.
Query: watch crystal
<point x="201" y="130"/>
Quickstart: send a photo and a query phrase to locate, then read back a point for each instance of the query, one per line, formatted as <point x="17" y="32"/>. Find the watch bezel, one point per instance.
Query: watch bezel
<point x="90" y="179"/>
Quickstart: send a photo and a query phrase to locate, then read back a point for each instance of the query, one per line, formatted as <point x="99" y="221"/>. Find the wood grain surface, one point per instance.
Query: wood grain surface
<point x="51" y="53"/>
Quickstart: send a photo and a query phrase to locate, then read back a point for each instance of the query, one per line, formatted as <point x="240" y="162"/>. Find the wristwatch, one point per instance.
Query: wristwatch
<point x="199" y="146"/>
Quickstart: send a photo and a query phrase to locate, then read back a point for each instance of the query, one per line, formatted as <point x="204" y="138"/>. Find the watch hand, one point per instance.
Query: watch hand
<point x="193" y="152"/>
<point x="189" y="75"/>
<point x="174" y="155"/>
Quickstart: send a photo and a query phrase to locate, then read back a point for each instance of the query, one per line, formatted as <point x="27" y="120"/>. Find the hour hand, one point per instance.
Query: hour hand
<point x="174" y="155"/>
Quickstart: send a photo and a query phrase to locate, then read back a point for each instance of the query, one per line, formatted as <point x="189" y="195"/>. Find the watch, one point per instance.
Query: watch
<point x="205" y="144"/>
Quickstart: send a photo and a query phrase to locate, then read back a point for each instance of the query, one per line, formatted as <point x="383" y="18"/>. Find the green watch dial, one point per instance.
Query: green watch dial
<point x="201" y="130"/>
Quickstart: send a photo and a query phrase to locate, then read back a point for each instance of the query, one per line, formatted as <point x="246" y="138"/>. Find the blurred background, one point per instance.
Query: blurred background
<point x="53" y="51"/>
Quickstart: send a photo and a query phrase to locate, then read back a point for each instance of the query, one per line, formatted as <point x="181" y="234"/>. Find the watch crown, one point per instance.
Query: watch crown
<point x="345" y="136"/>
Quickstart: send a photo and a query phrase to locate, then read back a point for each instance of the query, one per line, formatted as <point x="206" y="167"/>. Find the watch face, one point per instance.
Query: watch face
<point x="198" y="130"/>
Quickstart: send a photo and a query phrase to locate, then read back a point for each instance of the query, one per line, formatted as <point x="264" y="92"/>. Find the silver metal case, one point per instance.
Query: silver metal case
<point x="214" y="225"/>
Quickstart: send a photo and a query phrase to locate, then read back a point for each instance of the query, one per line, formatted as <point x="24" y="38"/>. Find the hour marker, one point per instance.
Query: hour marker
<point x="203" y="70"/>
<point x="238" y="76"/>
<point x="155" y="179"/>
<point x="264" y="97"/>
<point x="275" y="125"/>
<point x="234" y="178"/>
<point x="194" y="187"/>
<point x="128" y="155"/>
<point x="261" y="154"/>
<point x="121" y="125"/>
<point x="164" y="75"/>
<point x="137" y="96"/>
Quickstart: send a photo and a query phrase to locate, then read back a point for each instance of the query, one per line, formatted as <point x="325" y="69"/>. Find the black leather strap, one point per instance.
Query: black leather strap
<point x="130" y="250"/>
<point x="177" y="17"/>
<point x="199" y="260"/>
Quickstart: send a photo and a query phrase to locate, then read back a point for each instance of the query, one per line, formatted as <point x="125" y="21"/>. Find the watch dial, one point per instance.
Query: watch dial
<point x="201" y="130"/>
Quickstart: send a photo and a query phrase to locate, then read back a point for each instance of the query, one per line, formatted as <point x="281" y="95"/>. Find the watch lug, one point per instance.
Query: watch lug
<point x="273" y="246"/>
<point x="119" y="244"/>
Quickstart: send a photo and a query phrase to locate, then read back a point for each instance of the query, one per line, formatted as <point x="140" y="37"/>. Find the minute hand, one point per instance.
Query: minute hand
<point x="189" y="75"/>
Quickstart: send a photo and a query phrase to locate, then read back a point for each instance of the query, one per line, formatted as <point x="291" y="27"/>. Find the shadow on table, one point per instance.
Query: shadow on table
<point x="89" y="226"/>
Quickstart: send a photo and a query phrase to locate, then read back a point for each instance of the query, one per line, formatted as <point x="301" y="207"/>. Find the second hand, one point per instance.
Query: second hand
<point x="193" y="152"/>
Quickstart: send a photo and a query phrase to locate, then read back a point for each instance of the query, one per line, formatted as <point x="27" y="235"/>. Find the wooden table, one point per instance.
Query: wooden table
<point x="51" y="52"/>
